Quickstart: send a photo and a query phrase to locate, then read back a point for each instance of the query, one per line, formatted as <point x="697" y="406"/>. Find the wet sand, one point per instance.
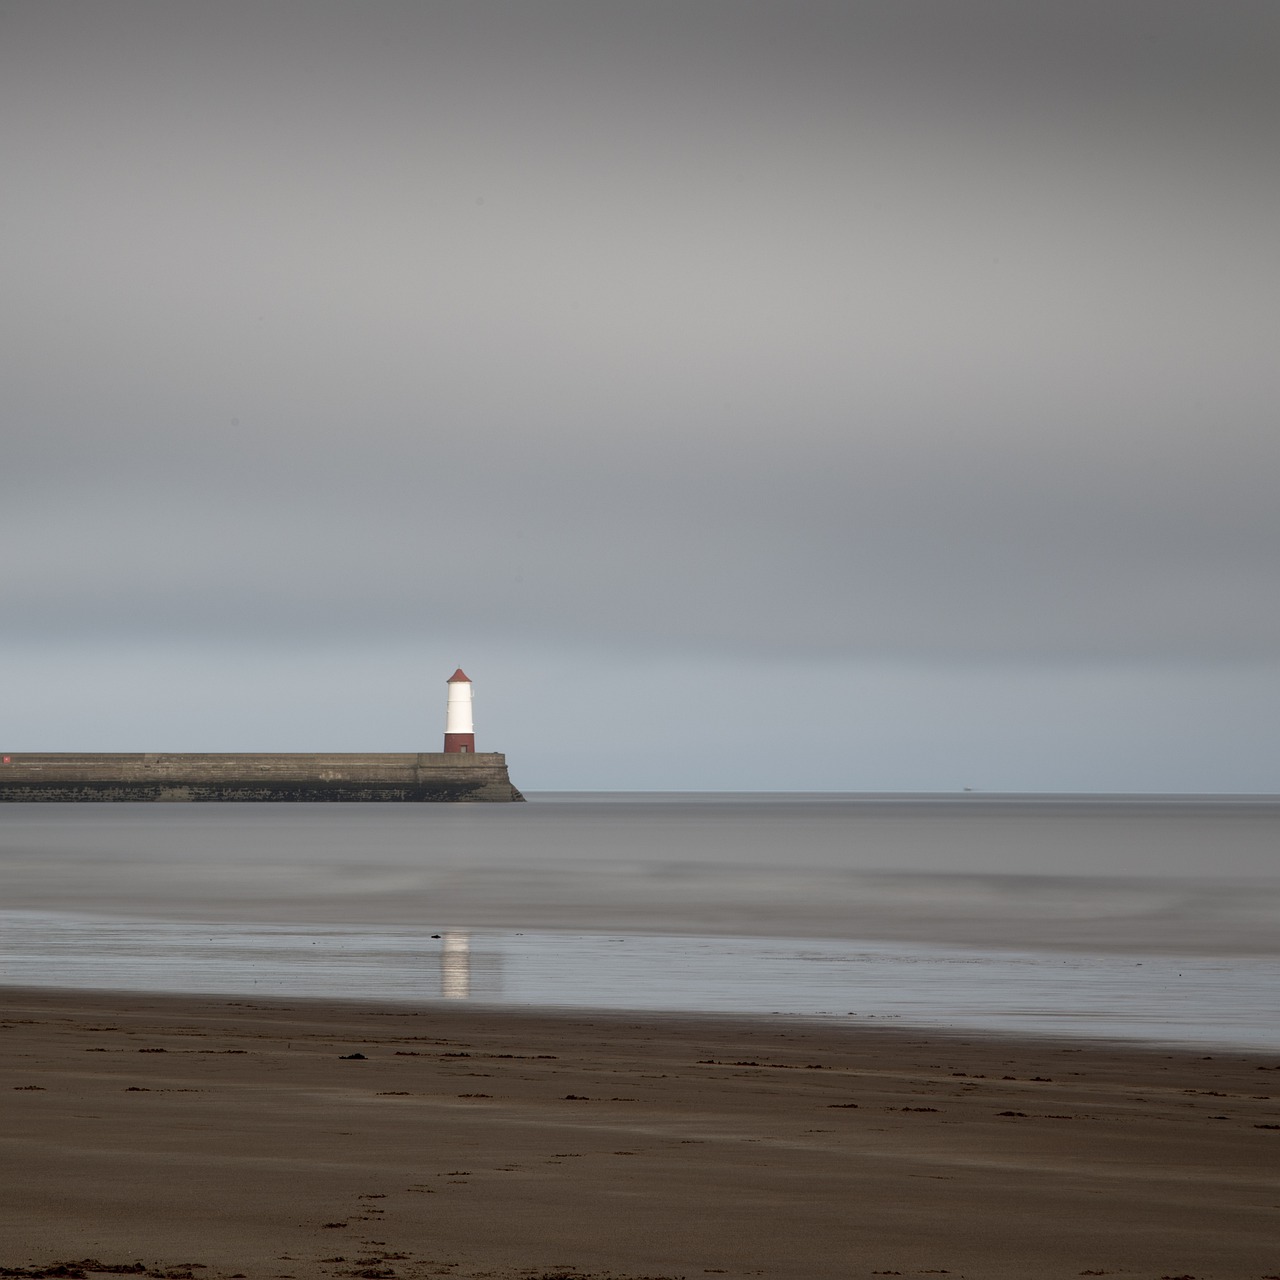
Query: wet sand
<point x="225" y="1137"/>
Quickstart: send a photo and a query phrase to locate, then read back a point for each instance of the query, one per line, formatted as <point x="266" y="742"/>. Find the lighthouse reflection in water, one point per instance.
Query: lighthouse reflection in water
<point x="455" y="967"/>
<point x="465" y="974"/>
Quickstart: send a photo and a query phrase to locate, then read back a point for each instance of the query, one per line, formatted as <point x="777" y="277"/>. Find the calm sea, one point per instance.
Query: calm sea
<point x="1131" y="917"/>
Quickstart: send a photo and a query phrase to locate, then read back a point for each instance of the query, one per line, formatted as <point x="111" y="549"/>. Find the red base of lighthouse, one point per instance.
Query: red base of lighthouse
<point x="460" y="742"/>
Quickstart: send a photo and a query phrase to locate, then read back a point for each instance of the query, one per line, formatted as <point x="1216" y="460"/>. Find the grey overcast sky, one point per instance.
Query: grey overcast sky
<point x="748" y="395"/>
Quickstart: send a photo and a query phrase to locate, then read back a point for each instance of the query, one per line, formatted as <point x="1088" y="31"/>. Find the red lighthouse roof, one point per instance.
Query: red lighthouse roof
<point x="459" y="675"/>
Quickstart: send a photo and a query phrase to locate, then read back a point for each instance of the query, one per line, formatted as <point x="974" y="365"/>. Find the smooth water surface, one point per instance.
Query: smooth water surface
<point x="1118" y="916"/>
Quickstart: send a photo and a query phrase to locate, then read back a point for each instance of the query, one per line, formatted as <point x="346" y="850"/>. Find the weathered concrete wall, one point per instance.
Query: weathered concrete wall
<point x="362" y="776"/>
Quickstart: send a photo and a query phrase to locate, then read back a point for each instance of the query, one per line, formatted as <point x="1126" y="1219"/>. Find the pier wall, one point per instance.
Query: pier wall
<point x="295" y="776"/>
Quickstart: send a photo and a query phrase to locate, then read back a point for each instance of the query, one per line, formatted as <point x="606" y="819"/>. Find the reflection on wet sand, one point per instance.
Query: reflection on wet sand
<point x="1182" y="999"/>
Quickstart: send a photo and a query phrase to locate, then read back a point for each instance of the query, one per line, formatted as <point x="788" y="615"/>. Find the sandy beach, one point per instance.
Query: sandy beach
<point x="221" y="1137"/>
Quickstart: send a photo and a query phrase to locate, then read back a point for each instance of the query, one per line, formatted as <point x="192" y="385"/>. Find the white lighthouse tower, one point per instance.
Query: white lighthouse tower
<point x="459" y="728"/>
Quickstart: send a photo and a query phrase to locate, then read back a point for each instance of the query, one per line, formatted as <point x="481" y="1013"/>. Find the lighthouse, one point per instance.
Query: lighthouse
<point x="459" y="729"/>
